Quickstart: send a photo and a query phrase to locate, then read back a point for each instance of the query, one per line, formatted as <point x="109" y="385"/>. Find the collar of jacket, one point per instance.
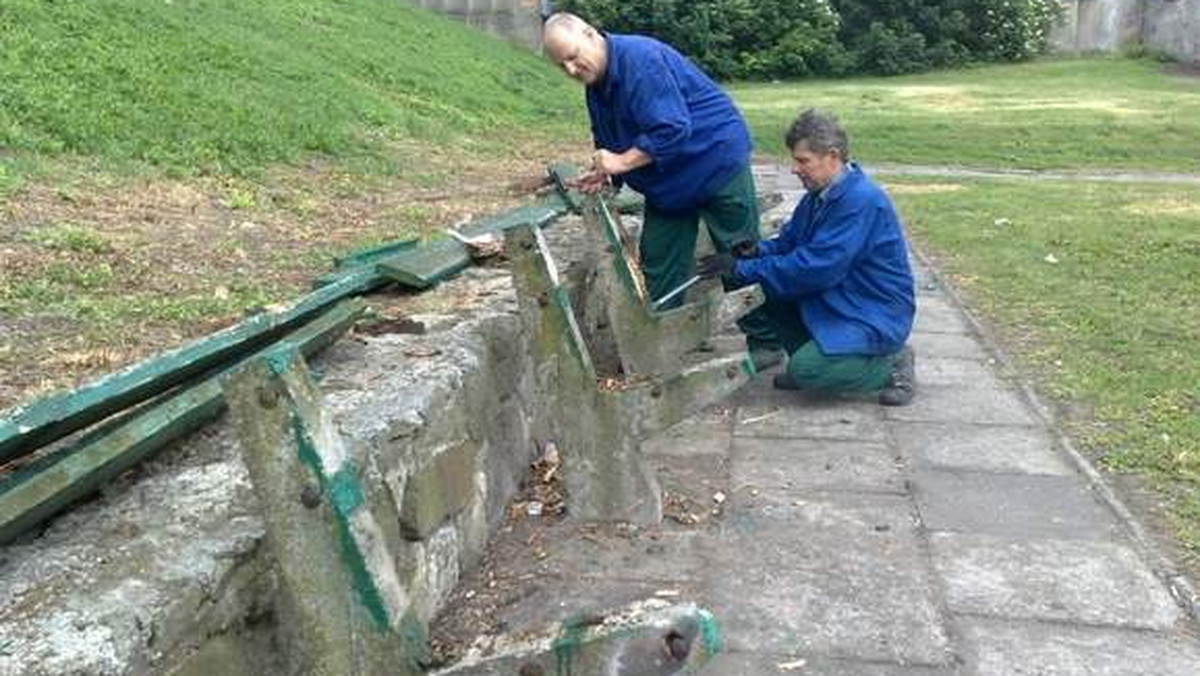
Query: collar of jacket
<point x="850" y="174"/>
<point x="611" y="70"/>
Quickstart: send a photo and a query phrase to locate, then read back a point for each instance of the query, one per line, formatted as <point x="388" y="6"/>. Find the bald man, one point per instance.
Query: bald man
<point x="668" y="131"/>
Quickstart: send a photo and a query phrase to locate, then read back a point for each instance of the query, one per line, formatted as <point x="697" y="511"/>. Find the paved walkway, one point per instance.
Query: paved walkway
<point x="838" y="537"/>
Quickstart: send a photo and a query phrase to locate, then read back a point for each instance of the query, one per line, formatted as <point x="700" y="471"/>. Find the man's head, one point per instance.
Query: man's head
<point x="820" y="148"/>
<point x="577" y="47"/>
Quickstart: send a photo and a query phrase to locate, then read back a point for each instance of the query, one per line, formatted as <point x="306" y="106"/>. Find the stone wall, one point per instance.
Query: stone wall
<point x="167" y="573"/>
<point x="1172" y="26"/>
<point x="518" y="21"/>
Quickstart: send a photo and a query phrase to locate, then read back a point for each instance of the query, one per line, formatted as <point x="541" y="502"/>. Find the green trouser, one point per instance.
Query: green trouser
<point x="815" y="371"/>
<point x="668" y="246"/>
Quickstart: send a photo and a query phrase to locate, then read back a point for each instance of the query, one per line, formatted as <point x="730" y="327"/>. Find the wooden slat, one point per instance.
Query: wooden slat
<point x="425" y="266"/>
<point x="43" y="489"/>
<point x="45" y="420"/>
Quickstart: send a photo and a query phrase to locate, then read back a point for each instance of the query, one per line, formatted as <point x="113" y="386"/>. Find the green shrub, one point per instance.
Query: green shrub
<point x="770" y="39"/>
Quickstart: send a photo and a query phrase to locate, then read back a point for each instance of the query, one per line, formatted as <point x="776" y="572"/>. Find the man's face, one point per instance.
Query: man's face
<point x="581" y="53"/>
<point x="815" y="170"/>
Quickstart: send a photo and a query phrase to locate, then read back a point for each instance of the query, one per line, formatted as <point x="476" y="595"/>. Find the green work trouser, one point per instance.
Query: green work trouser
<point x="819" y="372"/>
<point x="668" y="246"/>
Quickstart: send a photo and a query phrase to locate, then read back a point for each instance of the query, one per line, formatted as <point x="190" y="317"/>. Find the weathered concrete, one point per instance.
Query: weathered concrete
<point x="990" y="448"/>
<point x="836" y="537"/>
<point x="650" y="638"/>
<point x="1009" y="504"/>
<point x="1172" y="26"/>
<point x="340" y="603"/>
<point x="170" y="558"/>
<point x="1061" y="580"/>
<point x="518" y="21"/>
<point x="1020" y="649"/>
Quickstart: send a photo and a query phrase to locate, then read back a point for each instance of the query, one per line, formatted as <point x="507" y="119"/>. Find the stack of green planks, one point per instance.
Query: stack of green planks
<point x="171" y="394"/>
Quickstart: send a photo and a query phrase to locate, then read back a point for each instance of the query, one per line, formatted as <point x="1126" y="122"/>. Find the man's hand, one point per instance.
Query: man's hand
<point x="744" y="249"/>
<point x="589" y="183"/>
<point x="609" y="163"/>
<point x="716" y="265"/>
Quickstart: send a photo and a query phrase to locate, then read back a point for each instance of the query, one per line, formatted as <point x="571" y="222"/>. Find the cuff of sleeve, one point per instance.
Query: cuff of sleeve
<point x="642" y="142"/>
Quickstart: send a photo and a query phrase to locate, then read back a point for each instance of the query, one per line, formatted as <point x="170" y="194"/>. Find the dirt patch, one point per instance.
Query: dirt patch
<point x="97" y="274"/>
<point x="1165" y="207"/>
<point x="924" y="189"/>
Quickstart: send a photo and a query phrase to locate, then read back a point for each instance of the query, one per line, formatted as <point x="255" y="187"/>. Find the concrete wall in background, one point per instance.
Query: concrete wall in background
<point x="1172" y="26"/>
<point x="518" y="21"/>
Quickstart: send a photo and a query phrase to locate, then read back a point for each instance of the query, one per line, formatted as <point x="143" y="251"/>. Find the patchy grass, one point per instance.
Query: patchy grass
<point x="220" y="86"/>
<point x="1110" y="330"/>
<point x="1096" y="113"/>
<point x="95" y="274"/>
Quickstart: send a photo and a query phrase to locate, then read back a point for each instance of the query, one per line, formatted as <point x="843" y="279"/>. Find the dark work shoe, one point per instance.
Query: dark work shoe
<point x="784" y="381"/>
<point x="764" y="358"/>
<point x="902" y="386"/>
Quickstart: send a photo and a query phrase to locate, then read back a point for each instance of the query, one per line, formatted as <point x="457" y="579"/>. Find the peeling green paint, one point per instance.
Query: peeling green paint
<point x="345" y="495"/>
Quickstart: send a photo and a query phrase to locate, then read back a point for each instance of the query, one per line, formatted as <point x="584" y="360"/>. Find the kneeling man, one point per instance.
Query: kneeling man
<point x="837" y="279"/>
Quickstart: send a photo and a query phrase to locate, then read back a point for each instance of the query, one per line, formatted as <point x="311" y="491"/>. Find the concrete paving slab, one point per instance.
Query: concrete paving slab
<point x="1024" y="649"/>
<point x="995" y="405"/>
<point x="806" y="418"/>
<point x="991" y="448"/>
<point x="838" y="575"/>
<point x="947" y="346"/>
<point x="1013" y="505"/>
<point x="939" y="315"/>
<point x="757" y="664"/>
<point x="1066" y="580"/>
<point x="655" y="556"/>
<point x="792" y="466"/>
<point x="966" y="373"/>
<point x="707" y="433"/>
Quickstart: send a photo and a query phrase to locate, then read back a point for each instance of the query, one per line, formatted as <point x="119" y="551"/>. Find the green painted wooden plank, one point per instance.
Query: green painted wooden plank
<point x="29" y="427"/>
<point x="46" y="487"/>
<point x="426" y="265"/>
<point x="360" y="258"/>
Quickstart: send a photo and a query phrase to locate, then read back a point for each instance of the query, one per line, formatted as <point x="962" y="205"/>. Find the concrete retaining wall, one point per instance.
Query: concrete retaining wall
<point x="1172" y="26"/>
<point x="167" y="573"/>
<point x="518" y="21"/>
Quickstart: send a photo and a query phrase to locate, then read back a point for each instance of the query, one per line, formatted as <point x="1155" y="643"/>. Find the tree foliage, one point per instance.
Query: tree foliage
<point x="768" y="39"/>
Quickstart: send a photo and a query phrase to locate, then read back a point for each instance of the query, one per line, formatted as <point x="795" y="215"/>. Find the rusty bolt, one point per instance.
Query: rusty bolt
<point x="310" y="496"/>
<point x="677" y="646"/>
<point x="731" y="373"/>
<point x="531" y="669"/>
<point x="656" y="391"/>
<point x="268" y="396"/>
<point x="527" y="245"/>
<point x="543" y="300"/>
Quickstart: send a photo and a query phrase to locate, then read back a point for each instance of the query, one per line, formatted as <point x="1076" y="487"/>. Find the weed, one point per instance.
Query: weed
<point x="70" y="237"/>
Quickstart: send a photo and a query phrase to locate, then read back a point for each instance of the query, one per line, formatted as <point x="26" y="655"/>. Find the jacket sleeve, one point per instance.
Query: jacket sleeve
<point x="819" y="264"/>
<point x="660" y="113"/>
<point x="786" y="239"/>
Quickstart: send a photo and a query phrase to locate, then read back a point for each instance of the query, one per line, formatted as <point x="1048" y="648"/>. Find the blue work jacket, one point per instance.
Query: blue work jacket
<point x="842" y="260"/>
<point x="651" y="97"/>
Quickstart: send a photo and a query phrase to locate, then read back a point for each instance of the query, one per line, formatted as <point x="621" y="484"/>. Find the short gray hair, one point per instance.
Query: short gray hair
<point x="820" y="131"/>
<point x="564" y="20"/>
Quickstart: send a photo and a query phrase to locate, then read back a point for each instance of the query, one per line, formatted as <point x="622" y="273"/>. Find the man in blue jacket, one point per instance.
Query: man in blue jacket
<point x="838" y="284"/>
<point x="662" y="126"/>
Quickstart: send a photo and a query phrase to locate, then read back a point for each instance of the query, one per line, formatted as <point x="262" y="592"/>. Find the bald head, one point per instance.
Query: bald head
<point x="576" y="46"/>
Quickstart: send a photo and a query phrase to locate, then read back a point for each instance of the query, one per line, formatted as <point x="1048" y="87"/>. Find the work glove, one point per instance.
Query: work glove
<point x="744" y="249"/>
<point x="716" y="265"/>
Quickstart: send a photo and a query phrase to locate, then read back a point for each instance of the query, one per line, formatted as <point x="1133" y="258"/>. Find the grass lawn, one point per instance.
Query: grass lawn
<point x="1099" y="113"/>
<point x="1110" y="330"/>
